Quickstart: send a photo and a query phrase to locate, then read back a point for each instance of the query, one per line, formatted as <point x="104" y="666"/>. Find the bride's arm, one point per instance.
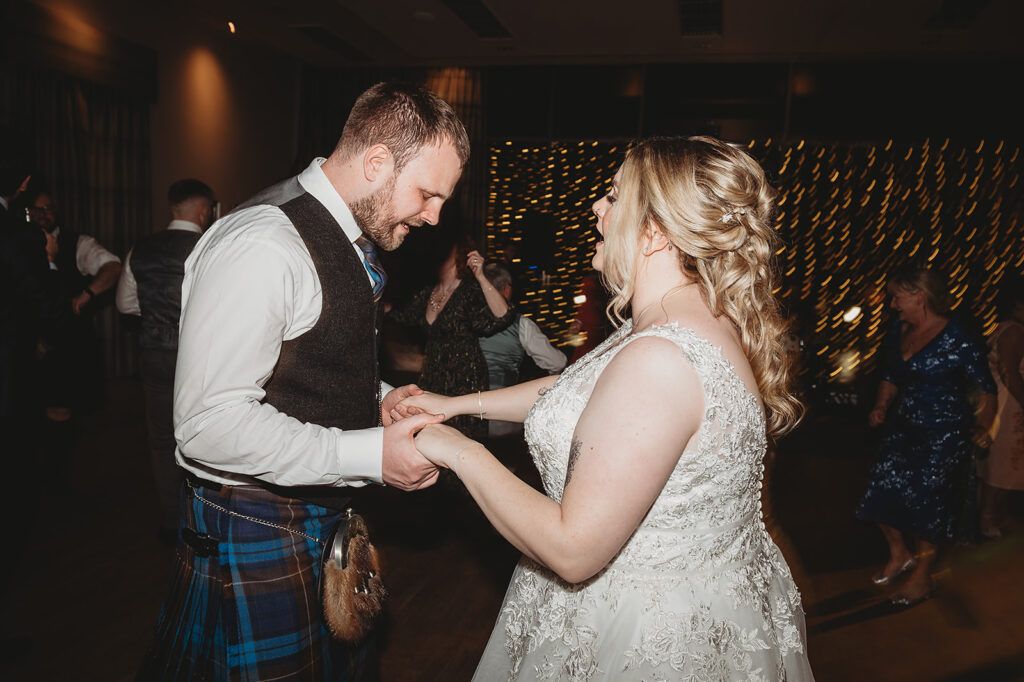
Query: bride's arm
<point x="643" y="411"/>
<point x="509" y="404"/>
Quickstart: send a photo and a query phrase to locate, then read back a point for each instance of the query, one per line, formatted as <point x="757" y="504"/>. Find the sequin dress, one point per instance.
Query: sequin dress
<point x="454" y="363"/>
<point x="698" y="592"/>
<point x="923" y="479"/>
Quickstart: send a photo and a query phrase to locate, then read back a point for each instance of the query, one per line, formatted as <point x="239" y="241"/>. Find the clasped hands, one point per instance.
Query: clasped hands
<point x="416" y="444"/>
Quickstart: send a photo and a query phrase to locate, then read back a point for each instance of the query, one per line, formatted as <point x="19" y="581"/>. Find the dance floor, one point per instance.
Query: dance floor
<point x="90" y="574"/>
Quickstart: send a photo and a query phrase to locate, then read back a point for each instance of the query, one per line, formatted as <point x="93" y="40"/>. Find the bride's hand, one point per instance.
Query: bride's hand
<point x="425" y="402"/>
<point x="441" y="444"/>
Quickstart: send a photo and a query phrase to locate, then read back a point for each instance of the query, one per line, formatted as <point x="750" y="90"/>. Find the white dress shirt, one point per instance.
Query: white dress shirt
<point x="90" y="255"/>
<point x="250" y="284"/>
<point x="127" y="296"/>
<point x="537" y="346"/>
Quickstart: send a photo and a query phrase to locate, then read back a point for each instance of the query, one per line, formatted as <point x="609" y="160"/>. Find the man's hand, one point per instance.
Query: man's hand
<point x="79" y="302"/>
<point x="403" y="465"/>
<point x="52" y="247"/>
<point x="395" y="396"/>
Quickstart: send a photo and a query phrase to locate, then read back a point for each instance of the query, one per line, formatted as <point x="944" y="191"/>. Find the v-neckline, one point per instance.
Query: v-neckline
<point x="920" y="350"/>
<point x="444" y="307"/>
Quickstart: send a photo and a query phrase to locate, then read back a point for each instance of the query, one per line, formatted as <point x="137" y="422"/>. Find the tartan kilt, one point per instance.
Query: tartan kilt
<point x="253" y="609"/>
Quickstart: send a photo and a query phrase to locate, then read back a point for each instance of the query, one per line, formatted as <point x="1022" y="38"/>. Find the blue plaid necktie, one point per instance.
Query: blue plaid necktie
<point x="373" y="266"/>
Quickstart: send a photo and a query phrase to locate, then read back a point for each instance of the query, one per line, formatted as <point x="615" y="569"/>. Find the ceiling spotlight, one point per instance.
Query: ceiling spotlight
<point x="852" y="314"/>
<point x="231" y="27"/>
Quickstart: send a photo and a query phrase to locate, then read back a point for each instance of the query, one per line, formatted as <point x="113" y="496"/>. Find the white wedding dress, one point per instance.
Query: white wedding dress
<point x="698" y="592"/>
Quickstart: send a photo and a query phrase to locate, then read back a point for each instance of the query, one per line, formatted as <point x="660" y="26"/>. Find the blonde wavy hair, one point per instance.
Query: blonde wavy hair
<point x="715" y="206"/>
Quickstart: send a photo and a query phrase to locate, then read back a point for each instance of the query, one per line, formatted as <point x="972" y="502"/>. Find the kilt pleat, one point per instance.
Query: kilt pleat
<point x="252" y="610"/>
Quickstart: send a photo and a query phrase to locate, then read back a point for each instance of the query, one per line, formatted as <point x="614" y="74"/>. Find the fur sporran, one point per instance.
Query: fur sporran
<point x="353" y="592"/>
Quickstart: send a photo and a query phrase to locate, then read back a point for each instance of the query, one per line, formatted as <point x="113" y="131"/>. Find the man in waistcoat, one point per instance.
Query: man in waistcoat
<point x="279" y="410"/>
<point x="506" y="350"/>
<point x="150" y="287"/>
<point x="71" y="366"/>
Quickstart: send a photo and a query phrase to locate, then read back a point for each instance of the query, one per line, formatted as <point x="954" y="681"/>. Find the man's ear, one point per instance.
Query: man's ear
<point x="376" y="162"/>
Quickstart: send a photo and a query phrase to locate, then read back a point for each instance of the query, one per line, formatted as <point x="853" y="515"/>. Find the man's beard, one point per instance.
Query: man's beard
<point x="374" y="216"/>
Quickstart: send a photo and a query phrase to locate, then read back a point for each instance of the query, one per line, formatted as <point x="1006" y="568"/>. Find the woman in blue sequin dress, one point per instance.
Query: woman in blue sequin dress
<point x="921" y="484"/>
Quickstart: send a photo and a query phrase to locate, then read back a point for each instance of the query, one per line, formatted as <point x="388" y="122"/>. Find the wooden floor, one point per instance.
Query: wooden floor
<point x="90" y="573"/>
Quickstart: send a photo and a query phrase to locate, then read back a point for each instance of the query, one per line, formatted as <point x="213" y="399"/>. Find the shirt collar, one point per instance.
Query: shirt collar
<point x="3" y="202"/>
<point x="315" y="181"/>
<point x="186" y="225"/>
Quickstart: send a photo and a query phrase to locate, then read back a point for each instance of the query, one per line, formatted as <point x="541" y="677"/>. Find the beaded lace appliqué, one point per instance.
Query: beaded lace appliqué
<point x="710" y="592"/>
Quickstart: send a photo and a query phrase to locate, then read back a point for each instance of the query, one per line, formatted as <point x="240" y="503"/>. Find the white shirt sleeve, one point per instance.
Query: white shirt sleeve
<point x="127" y="296"/>
<point x="90" y="256"/>
<point x="245" y="293"/>
<point x="537" y="346"/>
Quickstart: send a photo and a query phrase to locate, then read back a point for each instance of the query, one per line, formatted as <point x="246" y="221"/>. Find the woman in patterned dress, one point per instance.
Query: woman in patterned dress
<point x="921" y="488"/>
<point x="454" y="313"/>
<point x="647" y="559"/>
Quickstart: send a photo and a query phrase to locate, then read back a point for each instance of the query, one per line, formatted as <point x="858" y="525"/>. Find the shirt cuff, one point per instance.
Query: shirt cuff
<point x="361" y="456"/>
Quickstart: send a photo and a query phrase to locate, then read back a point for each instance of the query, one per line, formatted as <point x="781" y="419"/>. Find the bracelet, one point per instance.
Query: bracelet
<point x="479" y="405"/>
<point x="455" y="459"/>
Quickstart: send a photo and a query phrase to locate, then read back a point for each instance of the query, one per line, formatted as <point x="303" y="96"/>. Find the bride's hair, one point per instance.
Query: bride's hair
<point x="715" y="205"/>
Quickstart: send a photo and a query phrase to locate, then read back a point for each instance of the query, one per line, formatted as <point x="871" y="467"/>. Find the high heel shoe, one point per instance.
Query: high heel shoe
<point x="906" y="602"/>
<point x="992" y="532"/>
<point x="882" y="579"/>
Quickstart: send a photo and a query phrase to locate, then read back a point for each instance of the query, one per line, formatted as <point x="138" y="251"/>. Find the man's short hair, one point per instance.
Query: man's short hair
<point x="405" y="118"/>
<point x="498" y="275"/>
<point x="190" y="188"/>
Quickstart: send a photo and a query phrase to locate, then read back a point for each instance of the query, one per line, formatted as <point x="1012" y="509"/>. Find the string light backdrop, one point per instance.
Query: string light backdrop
<point x="848" y="216"/>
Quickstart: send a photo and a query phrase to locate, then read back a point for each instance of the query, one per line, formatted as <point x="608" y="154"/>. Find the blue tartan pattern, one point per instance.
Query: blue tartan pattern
<point x="253" y="610"/>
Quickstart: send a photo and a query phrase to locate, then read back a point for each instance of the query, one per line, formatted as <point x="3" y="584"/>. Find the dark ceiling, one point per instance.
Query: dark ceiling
<point x="495" y="32"/>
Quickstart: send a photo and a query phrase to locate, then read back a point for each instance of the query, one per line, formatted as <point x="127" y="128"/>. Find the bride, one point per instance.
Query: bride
<point x="647" y="559"/>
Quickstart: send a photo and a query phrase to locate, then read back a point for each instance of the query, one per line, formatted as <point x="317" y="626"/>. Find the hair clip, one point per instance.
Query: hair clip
<point x="732" y="213"/>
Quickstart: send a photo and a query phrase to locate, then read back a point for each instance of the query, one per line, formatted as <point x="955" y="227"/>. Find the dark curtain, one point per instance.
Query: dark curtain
<point x="91" y="143"/>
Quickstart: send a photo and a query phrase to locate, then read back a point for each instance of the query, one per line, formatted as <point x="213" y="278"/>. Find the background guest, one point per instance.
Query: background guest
<point x="12" y="183"/>
<point x="506" y="350"/>
<point x="921" y="485"/>
<point x="1003" y="469"/>
<point x="150" y="286"/>
<point x="454" y="313"/>
<point x="71" y="367"/>
<point x="32" y="305"/>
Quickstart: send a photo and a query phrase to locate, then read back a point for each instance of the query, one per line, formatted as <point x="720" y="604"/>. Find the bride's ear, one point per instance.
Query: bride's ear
<point x="654" y="239"/>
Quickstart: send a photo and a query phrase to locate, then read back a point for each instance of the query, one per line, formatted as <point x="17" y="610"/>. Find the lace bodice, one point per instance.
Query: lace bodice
<point x="717" y="479"/>
<point x="705" y="591"/>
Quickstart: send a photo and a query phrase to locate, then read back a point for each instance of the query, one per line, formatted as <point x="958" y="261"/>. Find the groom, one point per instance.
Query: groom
<point x="278" y="404"/>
